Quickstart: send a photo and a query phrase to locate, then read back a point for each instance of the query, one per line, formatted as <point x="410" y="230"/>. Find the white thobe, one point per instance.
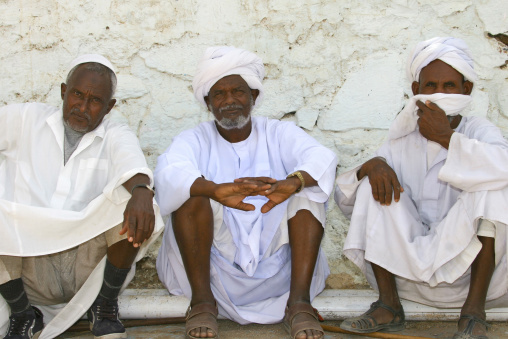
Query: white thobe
<point x="46" y="206"/>
<point x="429" y="238"/>
<point x="243" y="257"/>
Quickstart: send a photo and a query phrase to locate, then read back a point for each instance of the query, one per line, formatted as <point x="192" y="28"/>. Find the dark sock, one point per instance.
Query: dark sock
<point x="114" y="278"/>
<point x="14" y="293"/>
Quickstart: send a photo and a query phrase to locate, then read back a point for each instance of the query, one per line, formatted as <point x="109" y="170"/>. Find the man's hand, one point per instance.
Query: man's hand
<point x="433" y="123"/>
<point x="139" y="216"/>
<point x="278" y="192"/>
<point x="383" y="180"/>
<point x="230" y="194"/>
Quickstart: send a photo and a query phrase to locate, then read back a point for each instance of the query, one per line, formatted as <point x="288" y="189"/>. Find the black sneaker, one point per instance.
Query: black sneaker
<point x="103" y="318"/>
<point x="27" y="324"/>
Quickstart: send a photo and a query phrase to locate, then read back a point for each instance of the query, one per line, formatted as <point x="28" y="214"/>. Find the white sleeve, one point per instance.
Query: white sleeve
<point x="301" y="152"/>
<point x="347" y="183"/>
<point x="478" y="163"/>
<point x="176" y="171"/>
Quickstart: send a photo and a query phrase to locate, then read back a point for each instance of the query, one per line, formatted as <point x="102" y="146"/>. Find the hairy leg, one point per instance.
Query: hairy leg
<point x="193" y="228"/>
<point x="481" y="273"/>
<point x="305" y="234"/>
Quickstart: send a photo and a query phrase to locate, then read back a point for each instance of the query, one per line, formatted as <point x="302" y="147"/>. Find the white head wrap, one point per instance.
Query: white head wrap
<point x="221" y="61"/>
<point x="85" y="58"/>
<point x="455" y="53"/>
<point x="452" y="51"/>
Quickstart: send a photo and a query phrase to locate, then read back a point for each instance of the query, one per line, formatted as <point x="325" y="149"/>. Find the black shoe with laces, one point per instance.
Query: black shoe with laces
<point x="27" y="324"/>
<point x="104" y="321"/>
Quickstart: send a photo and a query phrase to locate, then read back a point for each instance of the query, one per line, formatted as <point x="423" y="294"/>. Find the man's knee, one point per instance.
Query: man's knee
<point x="194" y="207"/>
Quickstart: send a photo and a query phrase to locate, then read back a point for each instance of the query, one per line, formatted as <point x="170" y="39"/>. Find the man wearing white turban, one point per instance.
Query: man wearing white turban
<point x="246" y="196"/>
<point x="443" y="240"/>
<point x="76" y="208"/>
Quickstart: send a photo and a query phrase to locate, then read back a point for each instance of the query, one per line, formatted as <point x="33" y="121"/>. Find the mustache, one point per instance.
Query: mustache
<point x="230" y="107"/>
<point x="85" y="114"/>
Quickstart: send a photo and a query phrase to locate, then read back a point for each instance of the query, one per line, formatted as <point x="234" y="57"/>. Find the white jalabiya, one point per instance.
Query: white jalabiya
<point x="46" y="207"/>
<point x="407" y="120"/>
<point x="429" y="238"/>
<point x="452" y="51"/>
<point x="250" y="265"/>
<point x="221" y="61"/>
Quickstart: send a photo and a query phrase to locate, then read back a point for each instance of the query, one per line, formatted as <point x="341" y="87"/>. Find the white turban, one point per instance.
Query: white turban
<point x="85" y="58"/>
<point x="221" y="61"/>
<point x="452" y="51"/>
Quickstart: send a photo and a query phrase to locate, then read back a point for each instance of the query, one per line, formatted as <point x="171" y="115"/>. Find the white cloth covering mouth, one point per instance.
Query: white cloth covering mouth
<point x="86" y="58"/>
<point x="452" y="51"/>
<point x="221" y="61"/>
<point x="407" y="120"/>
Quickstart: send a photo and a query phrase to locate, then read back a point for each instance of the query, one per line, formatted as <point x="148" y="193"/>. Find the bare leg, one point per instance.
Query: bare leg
<point x="193" y="228"/>
<point x="481" y="273"/>
<point x="122" y="254"/>
<point x="305" y="234"/>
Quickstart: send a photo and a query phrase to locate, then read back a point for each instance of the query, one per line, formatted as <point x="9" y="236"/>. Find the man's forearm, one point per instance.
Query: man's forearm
<point x="202" y="187"/>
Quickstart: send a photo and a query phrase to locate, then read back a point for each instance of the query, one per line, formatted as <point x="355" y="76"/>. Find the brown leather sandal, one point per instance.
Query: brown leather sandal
<point x="312" y="322"/>
<point x="201" y="315"/>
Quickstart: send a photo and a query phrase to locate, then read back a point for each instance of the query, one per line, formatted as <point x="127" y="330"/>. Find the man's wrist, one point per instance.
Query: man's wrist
<point x="143" y="186"/>
<point x="298" y="180"/>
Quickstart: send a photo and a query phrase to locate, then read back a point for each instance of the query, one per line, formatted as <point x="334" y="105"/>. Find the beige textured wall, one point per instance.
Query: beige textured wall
<point x="336" y="68"/>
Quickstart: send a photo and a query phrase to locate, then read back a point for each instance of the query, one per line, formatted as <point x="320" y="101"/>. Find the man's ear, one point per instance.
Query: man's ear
<point x="111" y="103"/>
<point x="255" y="94"/>
<point x="415" y="87"/>
<point x="207" y="101"/>
<point x="468" y="87"/>
<point x="63" y="88"/>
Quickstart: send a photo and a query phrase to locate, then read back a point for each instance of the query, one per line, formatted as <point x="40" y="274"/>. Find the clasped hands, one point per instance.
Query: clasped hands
<point x="233" y="194"/>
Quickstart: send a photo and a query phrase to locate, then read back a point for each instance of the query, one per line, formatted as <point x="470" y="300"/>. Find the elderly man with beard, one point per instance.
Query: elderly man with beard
<point x="246" y="196"/>
<point x="442" y="241"/>
<point x="76" y="208"/>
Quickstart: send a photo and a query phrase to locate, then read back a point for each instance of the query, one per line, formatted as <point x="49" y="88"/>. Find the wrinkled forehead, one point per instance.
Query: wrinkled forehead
<point x="439" y="68"/>
<point x="233" y="80"/>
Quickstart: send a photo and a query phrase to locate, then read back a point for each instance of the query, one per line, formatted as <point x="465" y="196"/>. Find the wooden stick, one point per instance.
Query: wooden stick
<point x="84" y="325"/>
<point x="372" y="335"/>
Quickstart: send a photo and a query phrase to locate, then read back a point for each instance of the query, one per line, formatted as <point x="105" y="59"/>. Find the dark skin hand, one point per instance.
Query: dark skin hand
<point x="280" y="190"/>
<point x="434" y="124"/>
<point x="139" y="216"/>
<point x="229" y="194"/>
<point x="383" y="180"/>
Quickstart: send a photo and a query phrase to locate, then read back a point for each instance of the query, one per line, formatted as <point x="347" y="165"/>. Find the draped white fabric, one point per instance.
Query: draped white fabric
<point x="46" y="207"/>
<point x="429" y="238"/>
<point x="406" y="121"/>
<point x="273" y="149"/>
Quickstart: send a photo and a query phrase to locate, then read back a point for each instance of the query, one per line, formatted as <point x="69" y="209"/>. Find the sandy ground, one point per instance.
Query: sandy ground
<point x="231" y="330"/>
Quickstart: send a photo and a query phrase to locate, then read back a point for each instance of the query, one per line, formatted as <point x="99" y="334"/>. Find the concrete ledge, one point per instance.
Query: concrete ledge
<point x="332" y="304"/>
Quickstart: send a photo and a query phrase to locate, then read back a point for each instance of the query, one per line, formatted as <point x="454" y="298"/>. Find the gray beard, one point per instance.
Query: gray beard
<point x="237" y="123"/>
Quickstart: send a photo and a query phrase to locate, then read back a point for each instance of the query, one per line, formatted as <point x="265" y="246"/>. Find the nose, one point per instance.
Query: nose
<point x="83" y="105"/>
<point x="229" y="99"/>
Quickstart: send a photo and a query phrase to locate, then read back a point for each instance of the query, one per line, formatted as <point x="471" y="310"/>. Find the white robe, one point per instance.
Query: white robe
<point x="46" y="207"/>
<point x="273" y="149"/>
<point x="428" y="239"/>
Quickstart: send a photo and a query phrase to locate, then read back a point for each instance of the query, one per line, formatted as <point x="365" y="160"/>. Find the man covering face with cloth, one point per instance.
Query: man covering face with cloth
<point x="246" y="197"/>
<point x="76" y="208"/>
<point x="429" y="224"/>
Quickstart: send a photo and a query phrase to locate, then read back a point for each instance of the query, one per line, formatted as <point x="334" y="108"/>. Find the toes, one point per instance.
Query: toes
<point x="309" y="334"/>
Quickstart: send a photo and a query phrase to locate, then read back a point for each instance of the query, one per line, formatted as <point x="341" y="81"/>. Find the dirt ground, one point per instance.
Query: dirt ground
<point x="231" y="330"/>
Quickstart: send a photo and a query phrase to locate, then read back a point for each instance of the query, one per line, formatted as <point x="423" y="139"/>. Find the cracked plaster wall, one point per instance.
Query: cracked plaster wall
<point x="336" y="68"/>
